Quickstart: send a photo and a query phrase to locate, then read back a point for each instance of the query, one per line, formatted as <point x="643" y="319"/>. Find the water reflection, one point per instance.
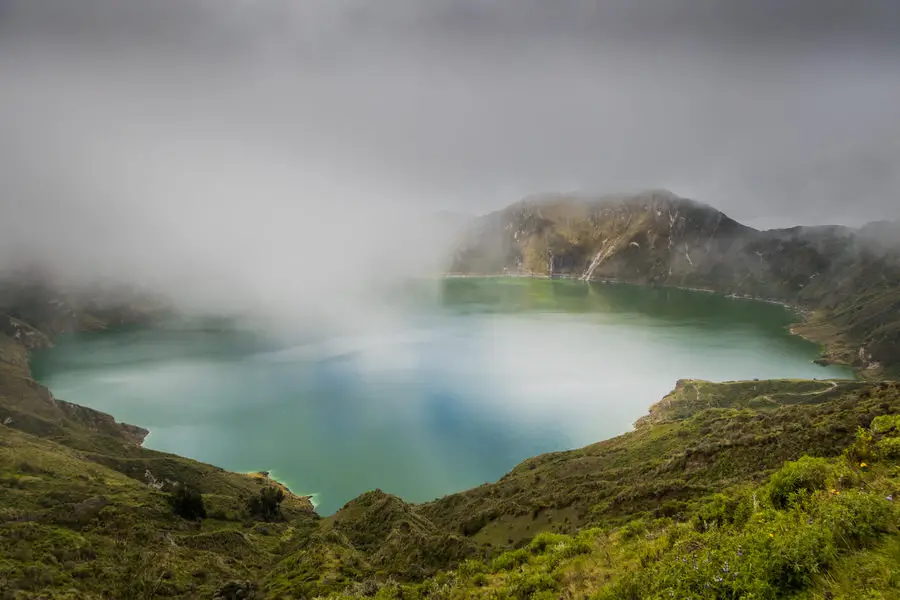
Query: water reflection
<point x="443" y="400"/>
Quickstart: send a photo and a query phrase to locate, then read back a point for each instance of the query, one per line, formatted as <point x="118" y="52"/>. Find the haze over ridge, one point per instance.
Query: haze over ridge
<point x="238" y="153"/>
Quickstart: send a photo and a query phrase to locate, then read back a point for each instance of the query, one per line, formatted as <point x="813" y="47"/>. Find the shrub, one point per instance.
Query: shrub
<point x="510" y="560"/>
<point x="471" y="567"/>
<point x="533" y="586"/>
<point x="717" y="511"/>
<point x="187" y="502"/>
<point x="744" y="508"/>
<point x="574" y="547"/>
<point x="798" y="478"/>
<point x="634" y="528"/>
<point x="545" y="540"/>
<point x="856" y="519"/>
<point x="797" y="554"/>
<point x="888" y="448"/>
<point x="885" y="424"/>
<point x="863" y="448"/>
<point x="266" y="505"/>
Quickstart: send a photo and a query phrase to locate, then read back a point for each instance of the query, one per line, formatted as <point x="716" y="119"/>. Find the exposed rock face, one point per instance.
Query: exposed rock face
<point x="651" y="238"/>
<point x="851" y="276"/>
<point x="101" y="422"/>
<point x="23" y="334"/>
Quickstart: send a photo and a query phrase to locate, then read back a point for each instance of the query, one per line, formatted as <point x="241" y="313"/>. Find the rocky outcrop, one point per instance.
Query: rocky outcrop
<point x="101" y="422"/>
<point x="23" y="334"/>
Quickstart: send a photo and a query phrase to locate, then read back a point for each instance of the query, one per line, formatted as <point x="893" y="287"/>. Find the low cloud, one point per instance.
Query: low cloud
<point x="277" y="153"/>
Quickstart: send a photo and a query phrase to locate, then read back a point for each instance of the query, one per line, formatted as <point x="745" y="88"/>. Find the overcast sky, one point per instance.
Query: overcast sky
<point x="222" y="124"/>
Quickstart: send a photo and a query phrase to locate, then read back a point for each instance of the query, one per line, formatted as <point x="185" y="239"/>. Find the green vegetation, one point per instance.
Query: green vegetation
<point x="817" y="528"/>
<point x="187" y="503"/>
<point x="265" y="506"/>
<point x="754" y="490"/>
<point x="86" y="513"/>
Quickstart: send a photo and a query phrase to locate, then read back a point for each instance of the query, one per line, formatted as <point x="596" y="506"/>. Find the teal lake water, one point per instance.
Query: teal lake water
<point x="452" y="395"/>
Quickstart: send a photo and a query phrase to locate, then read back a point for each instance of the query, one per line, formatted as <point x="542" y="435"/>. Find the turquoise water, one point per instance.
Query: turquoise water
<point x="450" y="396"/>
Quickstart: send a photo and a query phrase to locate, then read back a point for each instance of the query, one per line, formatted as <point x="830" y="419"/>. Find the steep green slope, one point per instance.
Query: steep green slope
<point x="697" y="502"/>
<point x="849" y="279"/>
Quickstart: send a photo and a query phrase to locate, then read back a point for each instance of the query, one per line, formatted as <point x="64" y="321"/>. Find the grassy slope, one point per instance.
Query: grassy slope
<point x="81" y="515"/>
<point x="697" y="503"/>
<point x="71" y="528"/>
<point x="701" y="438"/>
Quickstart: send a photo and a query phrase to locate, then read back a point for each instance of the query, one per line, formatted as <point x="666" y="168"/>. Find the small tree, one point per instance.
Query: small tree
<point x="187" y="502"/>
<point x="266" y="505"/>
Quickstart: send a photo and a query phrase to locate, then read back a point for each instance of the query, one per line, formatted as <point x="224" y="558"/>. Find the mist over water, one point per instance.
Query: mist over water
<point x="452" y="395"/>
<point x="243" y="155"/>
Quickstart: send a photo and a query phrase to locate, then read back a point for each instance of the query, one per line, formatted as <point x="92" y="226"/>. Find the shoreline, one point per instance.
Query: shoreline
<point x="804" y="314"/>
<point x="270" y="478"/>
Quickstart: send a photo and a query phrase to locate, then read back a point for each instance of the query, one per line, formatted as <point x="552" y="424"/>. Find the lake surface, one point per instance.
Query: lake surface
<point x="452" y="395"/>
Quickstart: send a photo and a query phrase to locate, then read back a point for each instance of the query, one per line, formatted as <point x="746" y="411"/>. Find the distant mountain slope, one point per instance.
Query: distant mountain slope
<point x="849" y="278"/>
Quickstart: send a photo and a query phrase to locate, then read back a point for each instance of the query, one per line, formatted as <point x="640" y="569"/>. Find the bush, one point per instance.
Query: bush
<point x="266" y="505"/>
<point x="797" y="554"/>
<point x="471" y="567"/>
<point x="545" y="540"/>
<point x="633" y="528"/>
<point x="510" y="560"/>
<point x="885" y="424"/>
<point x="796" y="478"/>
<point x="187" y="502"/>
<point x="533" y="586"/>
<point x="715" y="512"/>
<point x="856" y="519"/>
<point x="888" y="448"/>
<point x="863" y="448"/>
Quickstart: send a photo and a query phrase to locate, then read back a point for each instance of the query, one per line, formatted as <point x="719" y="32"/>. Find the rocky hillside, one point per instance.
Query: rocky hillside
<point x="849" y="279"/>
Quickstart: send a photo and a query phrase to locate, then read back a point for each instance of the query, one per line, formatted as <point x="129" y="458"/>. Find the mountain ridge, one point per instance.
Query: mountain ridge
<point x="847" y="280"/>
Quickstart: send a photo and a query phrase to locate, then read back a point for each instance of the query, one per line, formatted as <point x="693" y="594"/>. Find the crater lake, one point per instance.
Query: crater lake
<point x="465" y="384"/>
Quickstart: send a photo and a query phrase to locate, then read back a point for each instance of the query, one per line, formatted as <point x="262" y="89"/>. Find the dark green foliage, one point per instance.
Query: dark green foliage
<point x="798" y="478"/>
<point x="856" y="519"/>
<point x="510" y="560"/>
<point x="265" y="506"/>
<point x="237" y="590"/>
<point x="533" y="586"/>
<point x="187" y="502"/>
